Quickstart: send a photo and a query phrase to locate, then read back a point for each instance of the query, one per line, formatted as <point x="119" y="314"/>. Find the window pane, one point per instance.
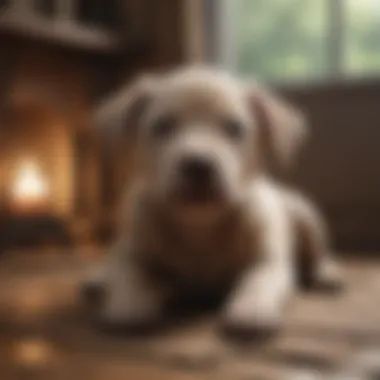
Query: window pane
<point x="281" y="39"/>
<point x="362" y="37"/>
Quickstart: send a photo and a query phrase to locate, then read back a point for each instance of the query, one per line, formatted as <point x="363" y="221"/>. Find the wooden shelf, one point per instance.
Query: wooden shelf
<point x="60" y="31"/>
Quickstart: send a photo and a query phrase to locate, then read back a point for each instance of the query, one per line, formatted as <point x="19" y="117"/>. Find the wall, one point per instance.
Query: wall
<point x="340" y="165"/>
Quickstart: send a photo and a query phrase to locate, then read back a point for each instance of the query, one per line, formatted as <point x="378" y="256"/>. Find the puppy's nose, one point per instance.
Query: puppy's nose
<point x="197" y="169"/>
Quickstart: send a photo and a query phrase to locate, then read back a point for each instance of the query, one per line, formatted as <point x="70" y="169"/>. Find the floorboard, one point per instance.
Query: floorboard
<point x="46" y="334"/>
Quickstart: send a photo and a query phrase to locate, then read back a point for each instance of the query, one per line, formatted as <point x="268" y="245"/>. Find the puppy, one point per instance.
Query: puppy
<point x="204" y="215"/>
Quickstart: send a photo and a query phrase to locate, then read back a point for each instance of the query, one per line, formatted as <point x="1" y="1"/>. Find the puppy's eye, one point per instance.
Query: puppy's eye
<point x="234" y="128"/>
<point x="164" y="127"/>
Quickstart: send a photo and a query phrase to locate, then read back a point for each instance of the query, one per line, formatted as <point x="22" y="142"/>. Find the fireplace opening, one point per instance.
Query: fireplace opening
<point x="43" y="176"/>
<point x="29" y="189"/>
<point x="39" y="156"/>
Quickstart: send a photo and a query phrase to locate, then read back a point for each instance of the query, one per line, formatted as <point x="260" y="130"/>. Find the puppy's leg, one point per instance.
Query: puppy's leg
<point x="93" y="286"/>
<point x="96" y="280"/>
<point x="316" y="266"/>
<point x="131" y="298"/>
<point x="257" y="304"/>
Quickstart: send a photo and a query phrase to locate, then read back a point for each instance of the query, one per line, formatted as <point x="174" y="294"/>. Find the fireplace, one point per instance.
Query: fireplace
<point x="56" y="175"/>
<point x="49" y="176"/>
<point x="39" y="161"/>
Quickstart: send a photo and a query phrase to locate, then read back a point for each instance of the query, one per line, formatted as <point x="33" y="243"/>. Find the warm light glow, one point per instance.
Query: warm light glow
<point x="33" y="352"/>
<point x="30" y="182"/>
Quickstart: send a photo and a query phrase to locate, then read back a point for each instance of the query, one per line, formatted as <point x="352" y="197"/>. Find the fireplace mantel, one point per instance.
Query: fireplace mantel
<point x="65" y="32"/>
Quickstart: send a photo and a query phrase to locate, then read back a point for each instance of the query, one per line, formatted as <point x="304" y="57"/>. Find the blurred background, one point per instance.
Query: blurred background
<point x="61" y="181"/>
<point x="312" y="40"/>
<point x="325" y="56"/>
<point x="61" y="59"/>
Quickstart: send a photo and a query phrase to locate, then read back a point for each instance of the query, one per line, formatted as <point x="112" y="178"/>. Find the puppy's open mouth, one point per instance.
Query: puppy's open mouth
<point x="197" y="195"/>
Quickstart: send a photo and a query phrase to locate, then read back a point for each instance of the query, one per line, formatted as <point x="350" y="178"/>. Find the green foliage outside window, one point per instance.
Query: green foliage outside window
<point x="289" y="39"/>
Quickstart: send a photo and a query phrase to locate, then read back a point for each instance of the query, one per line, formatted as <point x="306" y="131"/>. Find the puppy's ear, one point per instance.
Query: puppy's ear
<point x="120" y="115"/>
<point x="282" y="128"/>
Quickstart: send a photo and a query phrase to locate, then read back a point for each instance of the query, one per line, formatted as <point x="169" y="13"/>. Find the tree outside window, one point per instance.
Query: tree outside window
<point x="285" y="40"/>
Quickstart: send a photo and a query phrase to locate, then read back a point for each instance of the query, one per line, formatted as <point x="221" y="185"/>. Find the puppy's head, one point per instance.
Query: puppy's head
<point x="202" y="136"/>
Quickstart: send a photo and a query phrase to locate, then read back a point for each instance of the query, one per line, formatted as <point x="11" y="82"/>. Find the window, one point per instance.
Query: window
<point x="363" y="37"/>
<point x="287" y="40"/>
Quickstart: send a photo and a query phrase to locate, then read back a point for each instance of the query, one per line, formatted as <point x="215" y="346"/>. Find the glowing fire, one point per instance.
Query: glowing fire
<point x="30" y="183"/>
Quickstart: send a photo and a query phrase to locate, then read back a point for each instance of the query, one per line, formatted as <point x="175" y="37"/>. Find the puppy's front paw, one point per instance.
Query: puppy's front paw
<point x="132" y="316"/>
<point x="92" y="288"/>
<point x="250" y="321"/>
<point x="330" y="277"/>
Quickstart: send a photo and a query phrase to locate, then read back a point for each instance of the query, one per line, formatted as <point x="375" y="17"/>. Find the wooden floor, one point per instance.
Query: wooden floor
<point x="46" y="335"/>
